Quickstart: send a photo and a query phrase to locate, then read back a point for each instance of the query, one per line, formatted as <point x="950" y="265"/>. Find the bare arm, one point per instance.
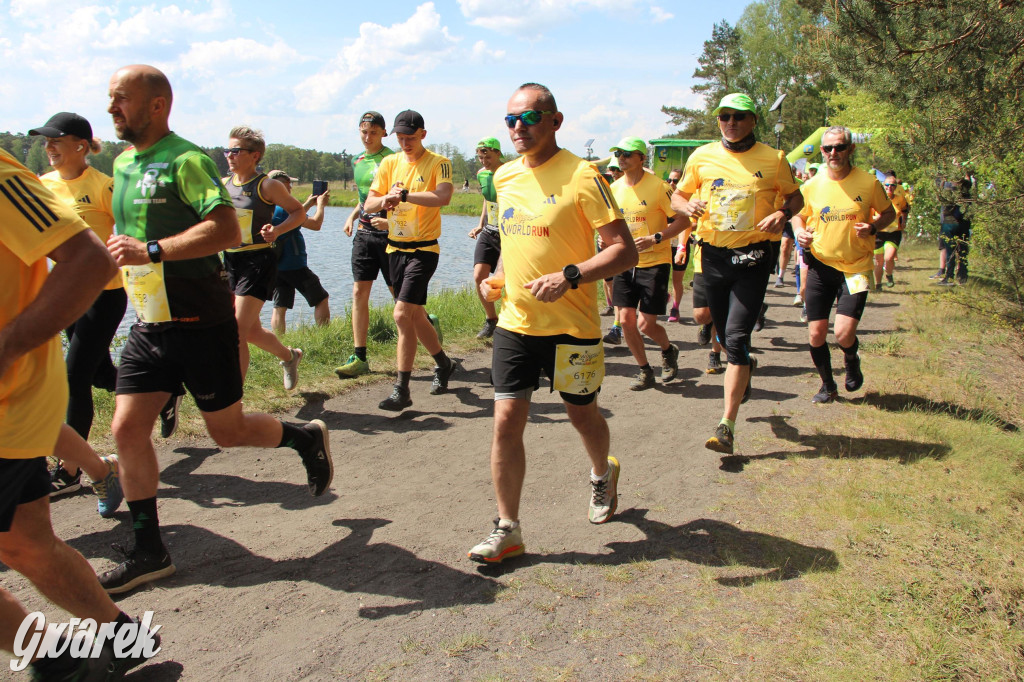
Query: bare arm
<point x="483" y="221"/>
<point x="868" y="229"/>
<point x="679" y="223"/>
<point x="776" y="220"/>
<point x="618" y="253"/>
<point x="441" y="196"/>
<point x="278" y="194"/>
<point x="351" y="220"/>
<point x="82" y="267"/>
<point x="683" y="203"/>
<point x="316" y="221"/>
<point x="375" y="202"/>
<point x="216" y="232"/>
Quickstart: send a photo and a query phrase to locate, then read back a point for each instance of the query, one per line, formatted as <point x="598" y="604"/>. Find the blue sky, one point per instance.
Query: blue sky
<point x="304" y="72"/>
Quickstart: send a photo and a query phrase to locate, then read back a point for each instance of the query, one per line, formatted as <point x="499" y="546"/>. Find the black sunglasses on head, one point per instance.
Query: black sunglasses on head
<point x="829" y="148"/>
<point x="737" y="116"/>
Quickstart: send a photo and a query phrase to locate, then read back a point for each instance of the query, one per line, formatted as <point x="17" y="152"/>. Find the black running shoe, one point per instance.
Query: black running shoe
<point x="64" y="483"/>
<point x="825" y="394"/>
<point x="854" y="377"/>
<point x="317" y="459"/>
<point x="441" y="376"/>
<point x="759" y="325"/>
<point x="721" y="441"/>
<point x="397" y="401"/>
<point x="487" y="331"/>
<point x="750" y="381"/>
<point x="670" y="363"/>
<point x="715" y="365"/>
<point x="138" y="568"/>
<point x="169" y="416"/>
<point x="119" y="666"/>
<point x="704" y="334"/>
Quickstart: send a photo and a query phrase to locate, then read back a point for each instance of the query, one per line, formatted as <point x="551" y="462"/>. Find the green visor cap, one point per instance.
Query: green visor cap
<point x="630" y="144"/>
<point x="737" y="101"/>
<point x="614" y="163"/>
<point x="489" y="143"/>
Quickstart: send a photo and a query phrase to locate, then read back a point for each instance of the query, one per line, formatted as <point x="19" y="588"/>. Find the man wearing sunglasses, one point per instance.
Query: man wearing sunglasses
<point x="551" y="203"/>
<point x="173" y="216"/>
<point x="413" y="186"/>
<point x="731" y="188"/>
<point x="887" y="241"/>
<point x="838" y="236"/>
<point x="641" y="293"/>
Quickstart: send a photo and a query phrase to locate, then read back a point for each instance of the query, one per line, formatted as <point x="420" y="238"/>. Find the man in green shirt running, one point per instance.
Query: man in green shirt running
<point x="488" y="245"/>
<point x="369" y="247"/>
<point x="173" y="216"/>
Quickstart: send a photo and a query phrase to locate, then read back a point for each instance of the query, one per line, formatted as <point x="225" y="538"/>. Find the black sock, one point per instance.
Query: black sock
<point x="646" y="368"/>
<point x="403" y="379"/>
<point x="361" y="353"/>
<point x="295" y="437"/>
<point x="146" y="525"/>
<point x="823" y="362"/>
<point x="57" y="668"/>
<point x="492" y="319"/>
<point x="441" y="359"/>
<point x="851" y="352"/>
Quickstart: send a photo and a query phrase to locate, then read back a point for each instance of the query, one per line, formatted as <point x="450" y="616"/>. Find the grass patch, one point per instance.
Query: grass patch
<point x="462" y="203"/>
<point x="460" y="646"/>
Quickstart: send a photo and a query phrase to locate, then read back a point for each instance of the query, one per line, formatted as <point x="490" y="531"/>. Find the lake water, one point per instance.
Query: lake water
<point x="330" y="257"/>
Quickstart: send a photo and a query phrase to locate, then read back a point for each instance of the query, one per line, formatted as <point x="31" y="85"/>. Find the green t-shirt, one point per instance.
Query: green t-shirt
<point x="486" y="180"/>
<point x="365" y="169"/>
<point x="161" y="192"/>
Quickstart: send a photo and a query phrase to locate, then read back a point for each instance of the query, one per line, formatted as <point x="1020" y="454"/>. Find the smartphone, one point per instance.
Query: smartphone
<point x="319" y="187"/>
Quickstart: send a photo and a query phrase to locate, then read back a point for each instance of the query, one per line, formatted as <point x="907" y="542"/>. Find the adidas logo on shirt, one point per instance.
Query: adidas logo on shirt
<point x="858" y="198"/>
<point x="759" y="174"/>
<point x="85" y="200"/>
<point x="644" y="202"/>
<point x="550" y="199"/>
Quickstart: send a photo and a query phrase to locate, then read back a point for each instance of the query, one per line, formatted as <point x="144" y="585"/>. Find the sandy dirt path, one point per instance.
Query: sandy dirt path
<point x="371" y="581"/>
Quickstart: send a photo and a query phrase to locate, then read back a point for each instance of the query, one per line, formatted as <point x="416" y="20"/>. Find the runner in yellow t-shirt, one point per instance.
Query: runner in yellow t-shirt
<point x="34" y="308"/>
<point x="646" y="204"/>
<point x="486" y="234"/>
<point x="550" y="203"/>
<point x="88" y="192"/>
<point x="887" y="241"/>
<point x="838" y="241"/>
<point x="731" y="188"/>
<point x="682" y="242"/>
<point x="413" y="184"/>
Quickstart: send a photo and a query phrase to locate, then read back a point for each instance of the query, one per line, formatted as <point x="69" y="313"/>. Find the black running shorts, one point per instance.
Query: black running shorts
<point x="305" y="281"/>
<point x="204" y="360"/>
<point x="410" y="273"/>
<point x="643" y="288"/>
<point x="735" y="281"/>
<point x="370" y="256"/>
<point x="826" y="285"/>
<point x="21" y="481"/>
<point x="895" y="238"/>
<point x="252" y="273"/>
<point x="518" y="360"/>
<point x="700" y="299"/>
<point x="488" y="248"/>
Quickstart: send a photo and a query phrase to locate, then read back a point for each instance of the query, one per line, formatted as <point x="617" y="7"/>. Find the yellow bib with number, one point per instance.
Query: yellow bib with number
<point x="404" y="222"/>
<point x="245" y="224"/>
<point x="492" y="213"/>
<point x="579" y="370"/>
<point x="731" y="210"/>
<point x="147" y="291"/>
<point x="860" y="282"/>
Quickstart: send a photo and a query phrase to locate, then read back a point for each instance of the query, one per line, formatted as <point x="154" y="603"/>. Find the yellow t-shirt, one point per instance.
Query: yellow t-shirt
<point x="90" y="196"/>
<point x="741" y="189"/>
<point x="698" y="267"/>
<point x="34" y="390"/>
<point x="547" y="218"/>
<point x="899" y="202"/>
<point x="646" y="208"/>
<point x="410" y="222"/>
<point x="830" y="211"/>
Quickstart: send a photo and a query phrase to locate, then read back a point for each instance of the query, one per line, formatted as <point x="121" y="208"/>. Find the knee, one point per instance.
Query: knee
<point x="647" y="324"/>
<point x="701" y="315"/>
<point x="737" y="348"/>
<point x="404" y="315"/>
<point x="27" y="555"/>
<point x="225" y="435"/>
<point x="129" y="434"/>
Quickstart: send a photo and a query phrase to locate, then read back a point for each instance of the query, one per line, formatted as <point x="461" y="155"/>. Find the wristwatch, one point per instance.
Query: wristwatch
<point x="786" y="212"/>
<point x="405" y="195"/>
<point x="657" y="237"/>
<point x="154" y="251"/>
<point x="573" y="275"/>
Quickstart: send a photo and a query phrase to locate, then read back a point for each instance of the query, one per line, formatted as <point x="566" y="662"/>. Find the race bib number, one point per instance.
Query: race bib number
<point x="492" y="213"/>
<point x="403" y="222"/>
<point x="579" y="370"/>
<point x="147" y="291"/>
<point x="245" y="224"/>
<point x="860" y="282"/>
<point x="731" y="210"/>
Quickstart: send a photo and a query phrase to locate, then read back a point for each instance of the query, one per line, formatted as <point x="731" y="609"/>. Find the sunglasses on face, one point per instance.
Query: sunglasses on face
<point x="619" y="154"/>
<point x="829" y="148"/>
<point x="530" y="117"/>
<point x="673" y="181"/>
<point x="738" y="116"/>
<point x="888" y="185"/>
<point x="234" y="151"/>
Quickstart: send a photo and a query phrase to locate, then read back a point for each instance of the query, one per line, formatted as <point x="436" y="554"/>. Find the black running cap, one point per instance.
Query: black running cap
<point x="408" y="122"/>
<point x="374" y="118"/>
<point x="65" y="123"/>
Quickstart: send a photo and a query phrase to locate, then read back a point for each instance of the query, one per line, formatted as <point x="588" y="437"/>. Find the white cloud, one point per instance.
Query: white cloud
<point x="530" y="18"/>
<point x="417" y="45"/>
<point x="238" y="56"/>
<point x="482" y="54"/>
<point x="151" y="26"/>
<point x="659" y="15"/>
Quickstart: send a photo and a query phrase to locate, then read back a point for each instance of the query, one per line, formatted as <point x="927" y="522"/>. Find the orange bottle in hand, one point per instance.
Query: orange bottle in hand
<point x="496" y="283"/>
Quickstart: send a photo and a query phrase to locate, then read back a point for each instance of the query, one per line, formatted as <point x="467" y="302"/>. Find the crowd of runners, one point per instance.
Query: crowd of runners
<point x="200" y="255"/>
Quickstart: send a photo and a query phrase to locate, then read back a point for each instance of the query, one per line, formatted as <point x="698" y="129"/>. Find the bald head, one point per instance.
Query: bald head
<point x="140" y="104"/>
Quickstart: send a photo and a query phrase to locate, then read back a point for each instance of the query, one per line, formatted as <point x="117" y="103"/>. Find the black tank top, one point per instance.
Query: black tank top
<point x="253" y="212"/>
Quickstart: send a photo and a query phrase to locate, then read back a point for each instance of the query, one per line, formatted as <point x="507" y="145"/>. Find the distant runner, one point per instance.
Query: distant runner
<point x="488" y="245"/>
